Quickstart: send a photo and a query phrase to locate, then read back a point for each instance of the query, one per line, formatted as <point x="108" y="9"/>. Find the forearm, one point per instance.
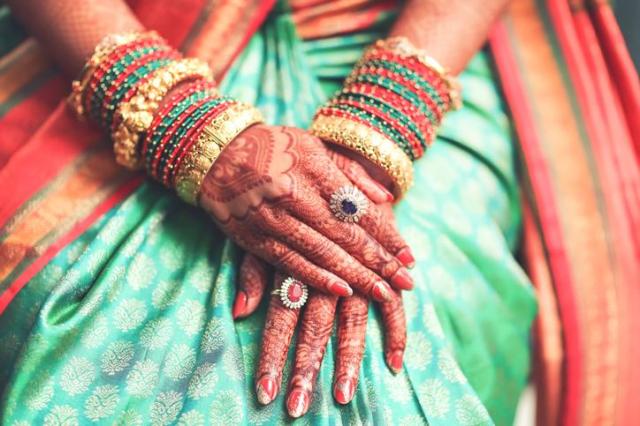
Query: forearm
<point x="70" y="29"/>
<point x="450" y="31"/>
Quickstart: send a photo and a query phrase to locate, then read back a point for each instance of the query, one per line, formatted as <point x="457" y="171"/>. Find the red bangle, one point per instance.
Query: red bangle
<point x="177" y="156"/>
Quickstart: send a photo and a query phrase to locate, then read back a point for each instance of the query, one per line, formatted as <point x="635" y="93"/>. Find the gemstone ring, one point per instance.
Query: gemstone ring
<point x="293" y="293"/>
<point x="348" y="204"/>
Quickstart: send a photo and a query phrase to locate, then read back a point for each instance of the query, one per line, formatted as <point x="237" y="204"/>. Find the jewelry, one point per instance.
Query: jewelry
<point x="136" y="114"/>
<point x="104" y="48"/>
<point x="348" y="131"/>
<point x="403" y="47"/>
<point x="348" y="204"/>
<point x="293" y="293"/>
<point x="221" y="130"/>
<point x="389" y="108"/>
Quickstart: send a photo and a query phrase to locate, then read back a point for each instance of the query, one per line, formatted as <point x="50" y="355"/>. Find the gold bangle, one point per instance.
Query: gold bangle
<point x="101" y="51"/>
<point x="136" y="115"/>
<point x="374" y="146"/>
<point x="405" y="49"/>
<point x="217" y="134"/>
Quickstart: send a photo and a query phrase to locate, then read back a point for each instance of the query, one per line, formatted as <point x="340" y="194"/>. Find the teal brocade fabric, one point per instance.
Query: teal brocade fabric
<point x="131" y="323"/>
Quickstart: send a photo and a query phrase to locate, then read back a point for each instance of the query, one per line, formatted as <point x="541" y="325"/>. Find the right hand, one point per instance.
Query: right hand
<point x="269" y="191"/>
<point x="316" y="320"/>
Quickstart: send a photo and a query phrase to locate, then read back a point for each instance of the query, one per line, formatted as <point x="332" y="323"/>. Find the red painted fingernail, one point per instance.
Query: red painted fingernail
<point x="406" y="257"/>
<point x="387" y="194"/>
<point x="402" y="280"/>
<point x="340" y="289"/>
<point x="395" y="361"/>
<point x="266" y="390"/>
<point x="240" y="305"/>
<point x="297" y="403"/>
<point x="343" y="390"/>
<point x="381" y="292"/>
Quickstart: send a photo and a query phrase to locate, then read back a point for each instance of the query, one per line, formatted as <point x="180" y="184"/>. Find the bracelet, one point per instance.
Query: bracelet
<point x="104" y="48"/>
<point x="405" y="49"/>
<point x="348" y="131"/>
<point x="389" y="108"/>
<point x="135" y="115"/>
<point x="124" y="87"/>
<point x="215" y="135"/>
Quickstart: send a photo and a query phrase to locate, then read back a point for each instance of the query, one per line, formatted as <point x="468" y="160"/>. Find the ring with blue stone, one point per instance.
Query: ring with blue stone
<point x="349" y="204"/>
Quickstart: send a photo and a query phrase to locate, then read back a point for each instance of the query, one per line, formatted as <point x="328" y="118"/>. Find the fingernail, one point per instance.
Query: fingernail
<point x="395" y="361"/>
<point x="389" y="196"/>
<point x="402" y="280"/>
<point x="340" y="289"/>
<point x="297" y="403"/>
<point x="406" y="257"/>
<point x="381" y="292"/>
<point x="343" y="390"/>
<point x="240" y="305"/>
<point x="266" y="390"/>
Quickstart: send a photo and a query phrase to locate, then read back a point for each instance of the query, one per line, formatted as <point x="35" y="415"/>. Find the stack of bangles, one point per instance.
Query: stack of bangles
<point x="389" y="108"/>
<point x="163" y="112"/>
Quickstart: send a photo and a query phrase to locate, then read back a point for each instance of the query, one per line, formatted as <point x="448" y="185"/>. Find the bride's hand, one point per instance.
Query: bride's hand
<point x="269" y="191"/>
<point x="316" y="325"/>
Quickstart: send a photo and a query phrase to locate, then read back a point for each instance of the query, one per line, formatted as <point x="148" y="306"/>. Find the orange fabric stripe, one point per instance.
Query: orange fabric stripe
<point x="32" y="269"/>
<point x="582" y="223"/>
<point x="72" y="197"/>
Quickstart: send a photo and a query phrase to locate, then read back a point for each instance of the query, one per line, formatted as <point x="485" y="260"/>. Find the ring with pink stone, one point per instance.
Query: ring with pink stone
<point x="293" y="293"/>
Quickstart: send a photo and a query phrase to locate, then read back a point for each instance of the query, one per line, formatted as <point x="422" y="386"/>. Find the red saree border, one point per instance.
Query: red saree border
<point x="529" y="141"/>
<point x="584" y="186"/>
<point x="620" y="180"/>
<point x="620" y="65"/>
<point x="39" y="160"/>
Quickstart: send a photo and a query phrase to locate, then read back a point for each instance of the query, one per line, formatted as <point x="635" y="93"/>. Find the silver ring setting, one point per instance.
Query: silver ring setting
<point x="293" y="293"/>
<point x="348" y="204"/>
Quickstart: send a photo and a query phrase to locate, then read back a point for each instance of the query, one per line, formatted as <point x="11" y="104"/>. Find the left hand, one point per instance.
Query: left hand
<point x="316" y="326"/>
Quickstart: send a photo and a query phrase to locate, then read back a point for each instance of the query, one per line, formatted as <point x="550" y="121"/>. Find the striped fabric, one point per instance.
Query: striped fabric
<point x="574" y="100"/>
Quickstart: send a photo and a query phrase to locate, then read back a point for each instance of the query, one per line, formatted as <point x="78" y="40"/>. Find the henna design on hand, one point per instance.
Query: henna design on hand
<point x="278" y="329"/>
<point x="352" y="328"/>
<point x="270" y="176"/>
<point x="360" y="177"/>
<point x="316" y="327"/>
<point x="252" y="281"/>
<point x="395" y="336"/>
<point x="317" y="321"/>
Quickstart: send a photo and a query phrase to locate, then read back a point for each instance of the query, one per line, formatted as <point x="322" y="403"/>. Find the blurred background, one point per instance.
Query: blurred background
<point x="628" y="13"/>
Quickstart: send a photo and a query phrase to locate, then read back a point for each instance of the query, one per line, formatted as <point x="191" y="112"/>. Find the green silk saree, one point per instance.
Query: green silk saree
<point x="130" y="323"/>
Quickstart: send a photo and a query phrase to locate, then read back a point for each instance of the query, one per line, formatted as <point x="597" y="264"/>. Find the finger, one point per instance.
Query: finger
<point x="314" y="211"/>
<point x="378" y="224"/>
<point x="252" y="281"/>
<point x="395" y="332"/>
<point x="327" y="255"/>
<point x="361" y="178"/>
<point x="329" y="179"/>
<point x="278" y="329"/>
<point x="352" y="327"/>
<point x="286" y="259"/>
<point x="315" y="329"/>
